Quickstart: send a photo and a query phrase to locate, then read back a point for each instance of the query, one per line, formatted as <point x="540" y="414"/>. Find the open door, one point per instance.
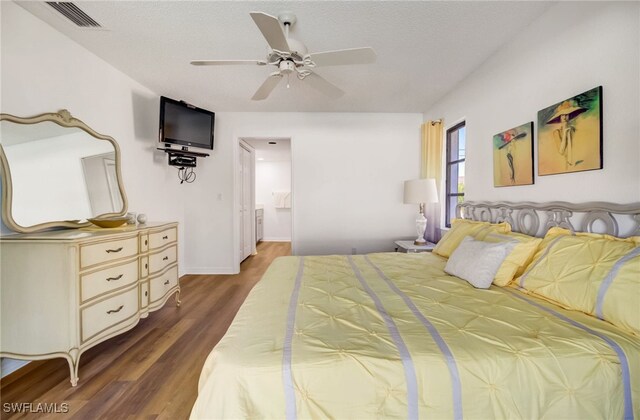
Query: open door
<point x="245" y="207"/>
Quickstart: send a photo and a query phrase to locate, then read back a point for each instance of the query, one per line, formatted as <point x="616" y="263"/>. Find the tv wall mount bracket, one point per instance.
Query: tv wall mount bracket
<point x="182" y="158"/>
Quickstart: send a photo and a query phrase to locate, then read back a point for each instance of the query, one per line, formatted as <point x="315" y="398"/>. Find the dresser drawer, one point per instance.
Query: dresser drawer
<point x="162" y="259"/>
<point x="144" y="242"/>
<point x="108" y="279"/>
<point x="159" y="286"/>
<point x="162" y="238"/>
<point x="144" y="295"/>
<point x="144" y="267"/>
<point x="101" y="316"/>
<point x="107" y="251"/>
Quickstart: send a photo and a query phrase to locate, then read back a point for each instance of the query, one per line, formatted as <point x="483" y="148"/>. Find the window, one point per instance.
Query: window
<point x="456" y="140"/>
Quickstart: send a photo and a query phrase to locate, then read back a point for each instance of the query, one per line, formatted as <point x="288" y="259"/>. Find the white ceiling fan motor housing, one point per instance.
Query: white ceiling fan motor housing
<point x="297" y="51"/>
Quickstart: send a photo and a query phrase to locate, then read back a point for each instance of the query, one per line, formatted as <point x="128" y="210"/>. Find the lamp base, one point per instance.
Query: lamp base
<point x="421" y="226"/>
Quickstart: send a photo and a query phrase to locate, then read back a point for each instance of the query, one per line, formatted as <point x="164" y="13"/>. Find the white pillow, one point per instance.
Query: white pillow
<point x="477" y="262"/>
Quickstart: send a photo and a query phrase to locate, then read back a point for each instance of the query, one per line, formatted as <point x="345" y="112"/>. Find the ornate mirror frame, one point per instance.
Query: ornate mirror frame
<point x="62" y="118"/>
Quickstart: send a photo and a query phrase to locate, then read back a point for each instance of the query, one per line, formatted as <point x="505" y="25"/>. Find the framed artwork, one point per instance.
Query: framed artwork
<point x="513" y="156"/>
<point x="570" y="134"/>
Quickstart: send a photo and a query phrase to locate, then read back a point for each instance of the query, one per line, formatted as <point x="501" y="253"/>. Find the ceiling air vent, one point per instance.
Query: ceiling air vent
<point x="74" y="14"/>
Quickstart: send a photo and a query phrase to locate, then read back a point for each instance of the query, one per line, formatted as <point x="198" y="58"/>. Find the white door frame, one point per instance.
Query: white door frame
<point x="242" y="145"/>
<point x="236" y="196"/>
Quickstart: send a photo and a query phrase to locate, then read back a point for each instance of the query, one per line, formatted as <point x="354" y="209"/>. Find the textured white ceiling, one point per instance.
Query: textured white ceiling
<point x="424" y="48"/>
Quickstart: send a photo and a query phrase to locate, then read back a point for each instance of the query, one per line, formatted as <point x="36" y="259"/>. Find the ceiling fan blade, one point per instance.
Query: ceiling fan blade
<point x="322" y="85"/>
<point x="227" y="62"/>
<point x="271" y="30"/>
<point x="267" y="87"/>
<point x="364" y="55"/>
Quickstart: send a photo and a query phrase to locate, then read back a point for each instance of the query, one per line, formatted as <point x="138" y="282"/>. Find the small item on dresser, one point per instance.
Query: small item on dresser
<point x="109" y="222"/>
<point x="131" y="218"/>
<point x="142" y="218"/>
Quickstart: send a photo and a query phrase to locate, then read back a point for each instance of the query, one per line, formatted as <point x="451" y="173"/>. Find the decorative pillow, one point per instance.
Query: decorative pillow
<point x="461" y="228"/>
<point x="518" y="259"/>
<point x="477" y="261"/>
<point x="593" y="273"/>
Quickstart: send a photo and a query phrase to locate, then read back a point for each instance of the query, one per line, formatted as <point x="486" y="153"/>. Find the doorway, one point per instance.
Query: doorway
<point x="273" y="189"/>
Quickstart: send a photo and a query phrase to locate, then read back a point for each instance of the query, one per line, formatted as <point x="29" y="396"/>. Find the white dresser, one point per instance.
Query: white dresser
<point x="63" y="292"/>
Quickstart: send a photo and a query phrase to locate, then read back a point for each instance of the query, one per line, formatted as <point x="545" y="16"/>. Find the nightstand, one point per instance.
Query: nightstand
<point x="408" y="246"/>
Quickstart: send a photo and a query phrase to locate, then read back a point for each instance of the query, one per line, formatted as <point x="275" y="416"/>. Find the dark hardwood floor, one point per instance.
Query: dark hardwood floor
<point x="152" y="370"/>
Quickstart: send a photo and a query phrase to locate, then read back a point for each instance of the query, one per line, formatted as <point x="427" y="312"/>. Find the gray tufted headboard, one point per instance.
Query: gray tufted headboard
<point x="535" y="219"/>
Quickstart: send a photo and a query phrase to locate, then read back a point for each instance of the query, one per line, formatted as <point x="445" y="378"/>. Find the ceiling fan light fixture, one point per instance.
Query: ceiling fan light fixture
<point x="286" y="67"/>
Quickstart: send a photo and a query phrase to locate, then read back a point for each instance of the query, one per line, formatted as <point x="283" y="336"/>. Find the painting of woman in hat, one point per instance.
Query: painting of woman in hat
<point x="563" y="135"/>
<point x="513" y="156"/>
<point x="570" y="135"/>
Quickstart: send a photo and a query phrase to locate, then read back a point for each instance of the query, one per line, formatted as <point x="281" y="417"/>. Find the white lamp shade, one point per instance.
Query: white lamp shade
<point x="418" y="191"/>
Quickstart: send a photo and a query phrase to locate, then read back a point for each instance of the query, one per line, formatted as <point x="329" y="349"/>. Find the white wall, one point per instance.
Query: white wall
<point x="347" y="173"/>
<point x="270" y="177"/>
<point x="44" y="71"/>
<point x="573" y="47"/>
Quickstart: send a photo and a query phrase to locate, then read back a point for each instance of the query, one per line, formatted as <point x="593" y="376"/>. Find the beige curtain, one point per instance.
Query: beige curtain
<point x="431" y="167"/>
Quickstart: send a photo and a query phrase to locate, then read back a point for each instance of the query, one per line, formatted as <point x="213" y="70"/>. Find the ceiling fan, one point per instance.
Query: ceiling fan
<point x="290" y="56"/>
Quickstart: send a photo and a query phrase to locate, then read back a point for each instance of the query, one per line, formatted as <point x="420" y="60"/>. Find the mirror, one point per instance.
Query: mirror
<point x="57" y="172"/>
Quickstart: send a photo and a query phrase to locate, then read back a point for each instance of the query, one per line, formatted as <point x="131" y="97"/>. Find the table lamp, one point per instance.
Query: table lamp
<point x="420" y="191"/>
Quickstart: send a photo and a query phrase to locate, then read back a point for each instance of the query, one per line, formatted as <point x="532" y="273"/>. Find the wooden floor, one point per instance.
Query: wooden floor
<point x="151" y="371"/>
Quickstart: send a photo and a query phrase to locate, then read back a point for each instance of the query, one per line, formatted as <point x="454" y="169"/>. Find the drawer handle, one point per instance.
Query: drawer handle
<point x="109" y="251"/>
<point x="166" y="282"/>
<point x="115" y="278"/>
<point x="146" y="242"/>
<point x="165" y="258"/>
<point x="113" y="311"/>
<point x="165" y="237"/>
<point x="146" y="266"/>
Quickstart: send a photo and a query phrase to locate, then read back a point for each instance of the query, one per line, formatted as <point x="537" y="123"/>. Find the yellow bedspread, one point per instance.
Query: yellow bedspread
<point x="391" y="335"/>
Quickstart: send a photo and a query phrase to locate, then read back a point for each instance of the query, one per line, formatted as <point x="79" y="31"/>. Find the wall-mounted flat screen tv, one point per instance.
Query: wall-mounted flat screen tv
<point x="186" y="125"/>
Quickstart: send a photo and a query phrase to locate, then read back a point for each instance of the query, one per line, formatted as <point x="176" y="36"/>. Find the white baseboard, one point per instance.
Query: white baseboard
<point x="276" y="240"/>
<point x="209" y="270"/>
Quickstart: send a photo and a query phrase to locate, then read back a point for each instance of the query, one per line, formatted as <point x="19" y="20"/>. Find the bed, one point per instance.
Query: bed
<point x="392" y="335"/>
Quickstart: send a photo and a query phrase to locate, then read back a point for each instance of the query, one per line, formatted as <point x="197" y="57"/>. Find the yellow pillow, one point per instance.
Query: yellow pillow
<point x="461" y="228"/>
<point x="593" y="273"/>
<point x="518" y="259"/>
<point x="549" y="237"/>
